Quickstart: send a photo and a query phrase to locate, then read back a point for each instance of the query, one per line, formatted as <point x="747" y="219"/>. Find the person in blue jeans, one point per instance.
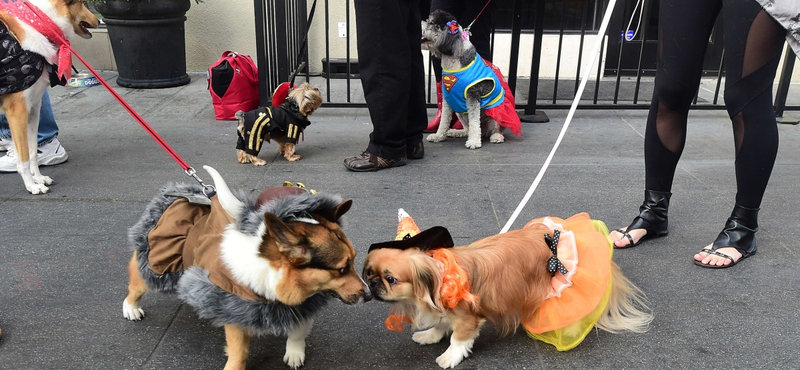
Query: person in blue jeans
<point x="50" y="150"/>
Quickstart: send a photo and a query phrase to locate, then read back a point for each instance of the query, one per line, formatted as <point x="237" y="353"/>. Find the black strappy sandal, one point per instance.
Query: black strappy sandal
<point x="739" y="233"/>
<point x="652" y="218"/>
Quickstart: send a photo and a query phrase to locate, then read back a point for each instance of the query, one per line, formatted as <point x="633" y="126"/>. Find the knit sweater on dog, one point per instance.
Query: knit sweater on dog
<point x="263" y="121"/>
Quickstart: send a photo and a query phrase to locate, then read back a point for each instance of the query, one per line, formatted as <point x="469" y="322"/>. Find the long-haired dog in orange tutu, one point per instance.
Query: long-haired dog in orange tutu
<point x="554" y="277"/>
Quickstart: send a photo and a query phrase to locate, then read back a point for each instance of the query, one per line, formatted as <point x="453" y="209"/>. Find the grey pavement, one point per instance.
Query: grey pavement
<point x="63" y="255"/>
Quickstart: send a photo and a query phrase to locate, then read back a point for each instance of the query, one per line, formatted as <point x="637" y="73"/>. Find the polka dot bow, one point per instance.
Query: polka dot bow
<point x="452" y="27"/>
<point x="553" y="263"/>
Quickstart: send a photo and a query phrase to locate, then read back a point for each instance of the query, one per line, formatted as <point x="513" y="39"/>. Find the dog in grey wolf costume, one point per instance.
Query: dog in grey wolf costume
<point x="255" y="312"/>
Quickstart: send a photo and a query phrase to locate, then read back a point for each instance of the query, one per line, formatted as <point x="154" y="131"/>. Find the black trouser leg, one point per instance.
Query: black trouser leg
<point x="392" y="74"/>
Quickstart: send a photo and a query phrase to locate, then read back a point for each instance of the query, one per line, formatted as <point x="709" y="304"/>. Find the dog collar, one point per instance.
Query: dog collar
<point x="455" y="282"/>
<point x="42" y="23"/>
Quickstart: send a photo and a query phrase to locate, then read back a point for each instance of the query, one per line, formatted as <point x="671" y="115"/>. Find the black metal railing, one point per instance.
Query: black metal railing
<point x="623" y="82"/>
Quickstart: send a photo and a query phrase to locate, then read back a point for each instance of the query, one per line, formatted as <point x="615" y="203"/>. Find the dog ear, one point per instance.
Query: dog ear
<point x="446" y="43"/>
<point x="289" y="243"/>
<point x="426" y="280"/>
<point x="313" y="100"/>
<point x="335" y="213"/>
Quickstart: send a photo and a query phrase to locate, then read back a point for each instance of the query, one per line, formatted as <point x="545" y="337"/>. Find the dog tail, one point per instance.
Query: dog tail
<point x="627" y="308"/>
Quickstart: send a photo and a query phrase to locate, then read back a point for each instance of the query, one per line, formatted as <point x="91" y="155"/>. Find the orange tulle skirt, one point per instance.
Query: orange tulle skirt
<point x="577" y="300"/>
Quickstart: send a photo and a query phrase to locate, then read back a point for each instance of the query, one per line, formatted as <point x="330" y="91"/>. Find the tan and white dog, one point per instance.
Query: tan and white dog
<point x="35" y="58"/>
<point x="508" y="280"/>
<point x="255" y="268"/>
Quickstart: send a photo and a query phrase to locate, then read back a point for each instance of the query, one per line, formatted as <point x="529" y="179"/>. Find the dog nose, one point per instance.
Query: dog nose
<point x="367" y="295"/>
<point x="374" y="282"/>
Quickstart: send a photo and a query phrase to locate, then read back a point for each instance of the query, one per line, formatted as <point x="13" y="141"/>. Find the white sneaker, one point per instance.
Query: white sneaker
<point x="50" y="153"/>
<point x="5" y="143"/>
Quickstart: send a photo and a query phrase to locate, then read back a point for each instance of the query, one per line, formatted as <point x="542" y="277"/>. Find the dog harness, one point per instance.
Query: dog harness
<point x="20" y="68"/>
<point x="263" y="121"/>
<point x="455" y="84"/>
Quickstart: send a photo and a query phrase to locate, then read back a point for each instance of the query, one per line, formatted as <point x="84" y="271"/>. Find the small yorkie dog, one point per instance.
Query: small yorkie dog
<point x="283" y="123"/>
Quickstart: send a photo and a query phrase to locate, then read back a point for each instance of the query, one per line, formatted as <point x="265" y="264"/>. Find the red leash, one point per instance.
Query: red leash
<point x="479" y="14"/>
<point x="207" y="189"/>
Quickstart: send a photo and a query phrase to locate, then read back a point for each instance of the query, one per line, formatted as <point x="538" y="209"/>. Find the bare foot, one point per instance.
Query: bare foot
<point x="714" y="260"/>
<point x="621" y="241"/>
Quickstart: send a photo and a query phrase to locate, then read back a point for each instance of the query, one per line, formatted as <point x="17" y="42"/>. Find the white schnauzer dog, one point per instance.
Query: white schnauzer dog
<point x="471" y="86"/>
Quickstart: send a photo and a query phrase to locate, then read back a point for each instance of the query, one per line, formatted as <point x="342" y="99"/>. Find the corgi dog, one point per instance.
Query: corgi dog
<point x="33" y="59"/>
<point x="255" y="268"/>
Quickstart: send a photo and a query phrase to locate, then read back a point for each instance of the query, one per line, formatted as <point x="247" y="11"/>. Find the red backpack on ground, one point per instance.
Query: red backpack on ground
<point x="233" y="83"/>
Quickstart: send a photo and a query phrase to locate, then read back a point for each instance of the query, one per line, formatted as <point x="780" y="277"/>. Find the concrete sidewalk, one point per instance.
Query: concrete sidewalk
<point x="63" y="255"/>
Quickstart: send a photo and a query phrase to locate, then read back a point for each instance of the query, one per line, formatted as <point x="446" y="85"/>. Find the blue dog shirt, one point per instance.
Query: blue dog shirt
<point x="456" y="82"/>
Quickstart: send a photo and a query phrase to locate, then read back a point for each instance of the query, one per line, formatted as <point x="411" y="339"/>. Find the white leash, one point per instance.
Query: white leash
<point x="600" y="36"/>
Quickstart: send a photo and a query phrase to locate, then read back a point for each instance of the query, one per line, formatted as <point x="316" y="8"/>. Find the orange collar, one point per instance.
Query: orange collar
<point x="455" y="282"/>
<point x="454" y="288"/>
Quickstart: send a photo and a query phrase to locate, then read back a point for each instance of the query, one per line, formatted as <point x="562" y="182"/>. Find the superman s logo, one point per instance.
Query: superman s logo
<point x="448" y="81"/>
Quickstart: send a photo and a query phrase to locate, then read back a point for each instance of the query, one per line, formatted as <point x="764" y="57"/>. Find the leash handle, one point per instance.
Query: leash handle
<point x="639" y="23"/>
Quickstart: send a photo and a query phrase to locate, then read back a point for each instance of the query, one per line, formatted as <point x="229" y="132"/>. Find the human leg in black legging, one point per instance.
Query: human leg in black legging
<point x="753" y="44"/>
<point x="683" y="38"/>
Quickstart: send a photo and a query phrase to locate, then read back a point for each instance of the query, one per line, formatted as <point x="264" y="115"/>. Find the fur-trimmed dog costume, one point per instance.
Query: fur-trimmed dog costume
<point x="255" y="268"/>
<point x="177" y="243"/>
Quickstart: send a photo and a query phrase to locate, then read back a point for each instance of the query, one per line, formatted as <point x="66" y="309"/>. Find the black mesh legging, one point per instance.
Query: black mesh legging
<point x="753" y="43"/>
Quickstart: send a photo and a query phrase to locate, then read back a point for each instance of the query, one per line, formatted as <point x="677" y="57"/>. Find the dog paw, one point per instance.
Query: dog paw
<point x="37" y="188"/>
<point x="133" y="312"/>
<point x="258" y="162"/>
<point x="41" y="179"/>
<point x="497" y="138"/>
<point x="294" y="158"/>
<point x="294" y="357"/>
<point x="456" y="133"/>
<point x="430" y="336"/>
<point x="452" y="357"/>
<point x="435" y="138"/>
<point x="473" y="144"/>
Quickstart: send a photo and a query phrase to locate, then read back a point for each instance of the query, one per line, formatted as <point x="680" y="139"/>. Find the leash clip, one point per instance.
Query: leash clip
<point x="208" y="190"/>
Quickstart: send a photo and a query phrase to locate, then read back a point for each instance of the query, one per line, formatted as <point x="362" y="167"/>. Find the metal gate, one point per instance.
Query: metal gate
<point x="625" y="82"/>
